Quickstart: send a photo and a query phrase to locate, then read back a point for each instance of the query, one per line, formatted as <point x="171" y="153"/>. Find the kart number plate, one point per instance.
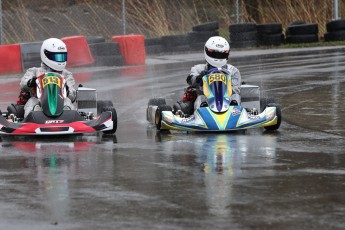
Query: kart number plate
<point x="216" y="77"/>
<point x="51" y="80"/>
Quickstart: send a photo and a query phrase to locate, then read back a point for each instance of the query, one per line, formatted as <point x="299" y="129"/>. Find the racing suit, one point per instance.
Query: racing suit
<point x="33" y="100"/>
<point x="200" y="69"/>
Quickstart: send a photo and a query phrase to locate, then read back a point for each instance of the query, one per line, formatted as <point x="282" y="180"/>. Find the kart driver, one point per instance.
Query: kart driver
<point x="54" y="59"/>
<point x="216" y="53"/>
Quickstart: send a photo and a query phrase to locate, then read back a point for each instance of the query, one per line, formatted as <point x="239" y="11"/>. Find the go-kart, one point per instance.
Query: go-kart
<point x="217" y="113"/>
<point x="52" y="118"/>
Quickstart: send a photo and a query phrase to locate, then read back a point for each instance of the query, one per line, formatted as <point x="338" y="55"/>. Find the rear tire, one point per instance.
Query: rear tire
<point x="158" y="115"/>
<point x="154" y="102"/>
<point x="114" y="119"/>
<point x="279" y="117"/>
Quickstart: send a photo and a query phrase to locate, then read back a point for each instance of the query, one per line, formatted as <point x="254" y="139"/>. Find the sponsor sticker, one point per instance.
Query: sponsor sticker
<point x="235" y="112"/>
<point x="54" y="121"/>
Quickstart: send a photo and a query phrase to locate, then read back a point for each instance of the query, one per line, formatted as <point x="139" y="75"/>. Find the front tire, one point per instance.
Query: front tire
<point x="158" y="115"/>
<point x="114" y="119"/>
<point x="279" y="117"/>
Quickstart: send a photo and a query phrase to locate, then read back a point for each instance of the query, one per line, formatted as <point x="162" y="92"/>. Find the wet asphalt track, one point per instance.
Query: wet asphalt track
<point x="141" y="179"/>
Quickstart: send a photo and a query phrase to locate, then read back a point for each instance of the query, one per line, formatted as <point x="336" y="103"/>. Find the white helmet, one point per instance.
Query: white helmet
<point x="217" y="50"/>
<point x="54" y="54"/>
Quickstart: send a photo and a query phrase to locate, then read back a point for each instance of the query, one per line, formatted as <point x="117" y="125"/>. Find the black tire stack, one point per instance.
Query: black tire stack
<point x="335" y="30"/>
<point x="153" y="45"/>
<point x="302" y="33"/>
<point x="270" y="34"/>
<point x="200" y="34"/>
<point x="243" y="35"/>
<point x="175" y="43"/>
<point x="105" y="53"/>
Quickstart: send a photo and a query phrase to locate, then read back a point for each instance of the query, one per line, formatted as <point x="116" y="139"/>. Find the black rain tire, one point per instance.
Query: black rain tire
<point x="95" y="39"/>
<point x="335" y="36"/>
<point x="156" y="101"/>
<point x="200" y="36"/>
<point x="242" y="27"/>
<point x="264" y="102"/>
<point x="154" y="49"/>
<point x="105" y="49"/>
<point x="302" y="29"/>
<point x="307" y="38"/>
<point x="158" y="115"/>
<point x="152" y="41"/>
<point x="279" y="117"/>
<point x="269" y="28"/>
<point x="101" y="104"/>
<point x="210" y="26"/>
<point x="271" y="39"/>
<point x="244" y="44"/>
<point x="114" y="118"/>
<point x="335" y="25"/>
<point x="174" y="40"/>
<point x="244" y="36"/>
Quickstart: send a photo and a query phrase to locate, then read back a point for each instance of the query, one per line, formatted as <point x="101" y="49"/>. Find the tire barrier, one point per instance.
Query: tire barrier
<point x="243" y="35"/>
<point x="302" y="33"/>
<point x="153" y="45"/>
<point x="132" y="48"/>
<point x="10" y="59"/>
<point x="270" y="34"/>
<point x="106" y="54"/>
<point x="78" y="51"/>
<point x="30" y="54"/>
<point x="335" y="30"/>
<point x="200" y="34"/>
<point x="95" y="39"/>
<point x="175" y="43"/>
<point x="210" y="26"/>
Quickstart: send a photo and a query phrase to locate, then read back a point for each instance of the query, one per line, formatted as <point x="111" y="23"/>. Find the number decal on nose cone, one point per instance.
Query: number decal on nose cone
<point x="216" y="77"/>
<point x="51" y="80"/>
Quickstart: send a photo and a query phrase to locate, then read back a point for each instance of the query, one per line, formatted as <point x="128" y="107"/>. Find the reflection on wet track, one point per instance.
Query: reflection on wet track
<point x="144" y="179"/>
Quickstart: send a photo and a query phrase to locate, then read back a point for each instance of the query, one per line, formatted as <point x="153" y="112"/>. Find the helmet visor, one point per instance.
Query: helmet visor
<point x="58" y="57"/>
<point x="217" y="54"/>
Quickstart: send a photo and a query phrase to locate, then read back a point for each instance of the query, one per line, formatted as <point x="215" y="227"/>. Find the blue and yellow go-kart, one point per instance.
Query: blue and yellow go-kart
<point x="217" y="114"/>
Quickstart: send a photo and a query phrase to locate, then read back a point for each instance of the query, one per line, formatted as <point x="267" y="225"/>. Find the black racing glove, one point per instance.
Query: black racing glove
<point x="189" y="79"/>
<point x="32" y="82"/>
<point x="198" y="79"/>
<point x="67" y="90"/>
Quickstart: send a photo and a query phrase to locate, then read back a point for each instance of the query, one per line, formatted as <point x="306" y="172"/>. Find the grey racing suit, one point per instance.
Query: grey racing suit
<point x="37" y="71"/>
<point x="202" y="68"/>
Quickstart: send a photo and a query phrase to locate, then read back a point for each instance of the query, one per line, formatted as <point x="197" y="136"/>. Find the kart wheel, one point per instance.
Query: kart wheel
<point x="114" y="118"/>
<point x="157" y="101"/>
<point x="264" y="103"/>
<point x="154" y="102"/>
<point x="158" y="115"/>
<point x="103" y="104"/>
<point x="279" y="117"/>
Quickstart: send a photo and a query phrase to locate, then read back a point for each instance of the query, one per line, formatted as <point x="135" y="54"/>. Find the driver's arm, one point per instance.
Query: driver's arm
<point x="194" y="73"/>
<point x="29" y="74"/>
<point x="236" y="80"/>
<point x="70" y="82"/>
